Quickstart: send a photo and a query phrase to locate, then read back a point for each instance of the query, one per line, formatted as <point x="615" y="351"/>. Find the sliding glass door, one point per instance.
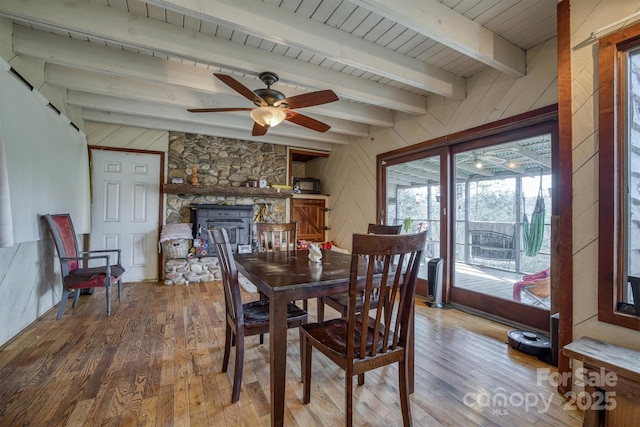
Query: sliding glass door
<point x="486" y="204"/>
<point x="414" y="199"/>
<point x="501" y="230"/>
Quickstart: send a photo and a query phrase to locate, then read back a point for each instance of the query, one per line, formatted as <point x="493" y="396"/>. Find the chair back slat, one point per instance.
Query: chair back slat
<point x="383" y="229"/>
<point x="388" y="297"/>
<point x="392" y="264"/>
<point x="277" y="236"/>
<point x="229" y="271"/>
<point x="64" y="237"/>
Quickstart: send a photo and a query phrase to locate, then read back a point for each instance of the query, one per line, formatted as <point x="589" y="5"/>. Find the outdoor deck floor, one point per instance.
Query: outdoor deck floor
<point x="490" y="281"/>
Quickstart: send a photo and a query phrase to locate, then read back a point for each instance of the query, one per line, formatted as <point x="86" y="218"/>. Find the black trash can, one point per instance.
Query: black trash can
<point x="434" y="279"/>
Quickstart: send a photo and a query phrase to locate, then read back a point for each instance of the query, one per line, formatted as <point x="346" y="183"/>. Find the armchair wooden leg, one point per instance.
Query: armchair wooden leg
<point x="63" y="303"/>
<point x="108" y="289"/>
<point x="76" y="297"/>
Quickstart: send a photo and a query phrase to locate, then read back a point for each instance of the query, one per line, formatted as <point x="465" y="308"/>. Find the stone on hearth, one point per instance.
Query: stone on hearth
<point x="195" y="267"/>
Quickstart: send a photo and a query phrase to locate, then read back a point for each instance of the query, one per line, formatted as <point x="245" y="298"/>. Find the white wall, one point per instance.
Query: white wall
<point x="349" y="174"/>
<point x="44" y="153"/>
<point x="587" y="16"/>
<point x="30" y="283"/>
<point x="47" y="170"/>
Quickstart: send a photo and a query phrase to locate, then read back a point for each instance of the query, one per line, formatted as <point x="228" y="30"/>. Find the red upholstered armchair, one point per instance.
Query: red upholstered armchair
<point x="75" y="278"/>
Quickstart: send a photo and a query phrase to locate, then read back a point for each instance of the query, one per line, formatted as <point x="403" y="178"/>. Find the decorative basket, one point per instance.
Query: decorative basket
<point x="177" y="248"/>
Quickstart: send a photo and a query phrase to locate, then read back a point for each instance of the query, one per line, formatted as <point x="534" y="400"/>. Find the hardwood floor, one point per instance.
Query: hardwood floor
<point x="156" y="362"/>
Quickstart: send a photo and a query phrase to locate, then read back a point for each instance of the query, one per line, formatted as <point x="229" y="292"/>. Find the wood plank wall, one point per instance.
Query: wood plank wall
<point x="587" y="17"/>
<point x="349" y="174"/>
<point x="132" y="138"/>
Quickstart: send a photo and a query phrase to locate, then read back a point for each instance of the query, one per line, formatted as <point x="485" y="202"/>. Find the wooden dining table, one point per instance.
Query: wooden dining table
<point x="290" y="276"/>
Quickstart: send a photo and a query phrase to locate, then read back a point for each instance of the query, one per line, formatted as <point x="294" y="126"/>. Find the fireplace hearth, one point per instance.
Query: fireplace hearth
<point x="236" y="219"/>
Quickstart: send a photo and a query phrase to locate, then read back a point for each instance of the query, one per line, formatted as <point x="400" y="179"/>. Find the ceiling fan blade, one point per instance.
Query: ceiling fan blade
<point x="216" y="110"/>
<point x="310" y="99"/>
<point x="241" y="89"/>
<point x="258" y="129"/>
<point x="306" y="121"/>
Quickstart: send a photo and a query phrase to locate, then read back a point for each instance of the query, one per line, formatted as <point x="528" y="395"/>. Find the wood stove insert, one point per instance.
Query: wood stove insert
<point x="236" y="219"/>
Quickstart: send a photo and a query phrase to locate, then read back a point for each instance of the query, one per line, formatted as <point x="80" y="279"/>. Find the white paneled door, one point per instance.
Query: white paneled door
<point x="125" y="209"/>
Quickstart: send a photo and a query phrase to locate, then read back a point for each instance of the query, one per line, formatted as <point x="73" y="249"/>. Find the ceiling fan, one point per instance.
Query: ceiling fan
<point x="272" y="106"/>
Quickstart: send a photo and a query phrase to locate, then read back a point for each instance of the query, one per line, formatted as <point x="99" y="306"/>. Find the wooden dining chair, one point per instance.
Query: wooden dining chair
<point x="243" y="319"/>
<point x="377" y="337"/>
<point x="340" y="302"/>
<point x="75" y="277"/>
<point x="278" y="237"/>
<point x="383" y="229"/>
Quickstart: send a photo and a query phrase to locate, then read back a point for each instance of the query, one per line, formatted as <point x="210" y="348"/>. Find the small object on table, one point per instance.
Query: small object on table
<point x="315" y="255"/>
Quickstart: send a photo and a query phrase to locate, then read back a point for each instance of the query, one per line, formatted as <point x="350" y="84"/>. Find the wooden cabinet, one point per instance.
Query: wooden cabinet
<point x="309" y="214"/>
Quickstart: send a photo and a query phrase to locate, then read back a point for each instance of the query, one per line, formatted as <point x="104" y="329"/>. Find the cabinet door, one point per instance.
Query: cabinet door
<point x="309" y="214"/>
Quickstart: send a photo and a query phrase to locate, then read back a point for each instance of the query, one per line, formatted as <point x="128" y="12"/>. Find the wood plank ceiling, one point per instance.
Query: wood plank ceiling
<point x="144" y="62"/>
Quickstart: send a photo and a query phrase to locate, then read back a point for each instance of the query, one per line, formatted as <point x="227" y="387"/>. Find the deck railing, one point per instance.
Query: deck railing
<point x="487" y="245"/>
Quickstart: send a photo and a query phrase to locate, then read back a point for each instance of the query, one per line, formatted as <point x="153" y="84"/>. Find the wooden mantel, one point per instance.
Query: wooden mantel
<point x="219" y="190"/>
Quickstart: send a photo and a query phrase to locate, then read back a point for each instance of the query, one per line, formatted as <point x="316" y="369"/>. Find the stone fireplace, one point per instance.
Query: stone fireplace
<point x="236" y="219"/>
<point x="225" y="162"/>
<point x="228" y="163"/>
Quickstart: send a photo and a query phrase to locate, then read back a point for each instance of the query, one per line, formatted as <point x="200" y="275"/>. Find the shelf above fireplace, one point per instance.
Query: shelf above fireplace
<point x="219" y="190"/>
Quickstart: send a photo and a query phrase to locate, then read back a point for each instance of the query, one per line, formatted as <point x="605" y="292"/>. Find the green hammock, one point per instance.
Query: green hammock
<point x="532" y="233"/>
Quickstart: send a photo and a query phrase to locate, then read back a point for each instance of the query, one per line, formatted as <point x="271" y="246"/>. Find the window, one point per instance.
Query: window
<point x="619" y="178"/>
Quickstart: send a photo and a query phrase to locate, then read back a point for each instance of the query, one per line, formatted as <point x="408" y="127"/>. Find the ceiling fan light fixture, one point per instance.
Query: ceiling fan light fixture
<point x="268" y="116"/>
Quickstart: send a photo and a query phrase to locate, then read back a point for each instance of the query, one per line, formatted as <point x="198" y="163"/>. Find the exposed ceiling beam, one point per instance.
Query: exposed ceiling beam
<point x="166" y="124"/>
<point x="413" y="178"/>
<point x="259" y="19"/>
<point x="424" y="170"/>
<point x="503" y="164"/>
<point x="109" y="24"/>
<point x="131" y="88"/>
<point x="473" y="170"/>
<point x="399" y="182"/>
<point x="444" y="25"/>
<point x="533" y="156"/>
<point x="150" y="108"/>
<point x="237" y="121"/>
